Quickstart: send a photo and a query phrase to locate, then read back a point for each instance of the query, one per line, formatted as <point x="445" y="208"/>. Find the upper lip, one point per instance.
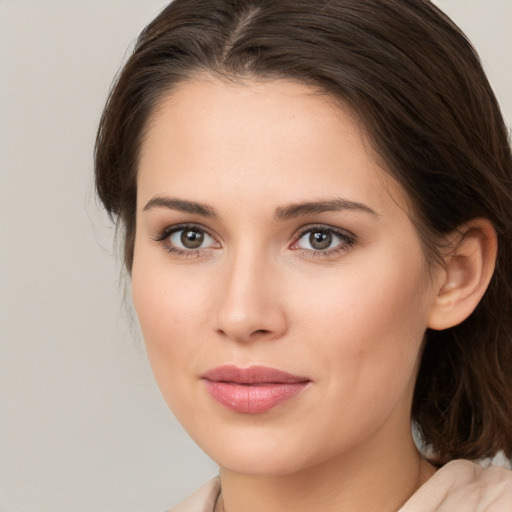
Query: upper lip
<point x="251" y="375"/>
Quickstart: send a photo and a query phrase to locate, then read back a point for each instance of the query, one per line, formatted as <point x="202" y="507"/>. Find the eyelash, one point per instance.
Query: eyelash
<point x="347" y="240"/>
<point x="164" y="238"/>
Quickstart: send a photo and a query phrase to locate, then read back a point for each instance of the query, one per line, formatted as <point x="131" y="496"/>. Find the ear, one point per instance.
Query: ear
<point x="469" y="263"/>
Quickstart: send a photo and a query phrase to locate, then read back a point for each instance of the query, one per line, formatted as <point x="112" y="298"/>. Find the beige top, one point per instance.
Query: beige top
<point x="202" y="500"/>
<point x="445" y="487"/>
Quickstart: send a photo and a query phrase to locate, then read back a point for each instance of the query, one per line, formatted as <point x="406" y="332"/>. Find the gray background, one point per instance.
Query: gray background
<point x="82" y="424"/>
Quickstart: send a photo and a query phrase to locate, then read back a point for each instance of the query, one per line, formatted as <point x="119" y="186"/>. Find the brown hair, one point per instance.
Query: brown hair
<point x="417" y="86"/>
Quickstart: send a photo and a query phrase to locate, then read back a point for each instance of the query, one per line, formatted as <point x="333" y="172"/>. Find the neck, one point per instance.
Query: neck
<point x="379" y="480"/>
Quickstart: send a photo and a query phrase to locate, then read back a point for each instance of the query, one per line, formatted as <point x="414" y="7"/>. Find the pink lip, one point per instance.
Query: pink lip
<point x="252" y="390"/>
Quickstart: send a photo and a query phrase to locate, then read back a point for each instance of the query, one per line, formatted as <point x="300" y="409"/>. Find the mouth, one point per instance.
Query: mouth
<point x="252" y="390"/>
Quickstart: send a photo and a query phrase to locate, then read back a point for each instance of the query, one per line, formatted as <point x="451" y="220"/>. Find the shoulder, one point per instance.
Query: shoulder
<point x="203" y="500"/>
<point x="464" y="485"/>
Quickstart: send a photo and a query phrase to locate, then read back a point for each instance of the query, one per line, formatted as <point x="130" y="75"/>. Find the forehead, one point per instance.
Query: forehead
<point x="210" y="138"/>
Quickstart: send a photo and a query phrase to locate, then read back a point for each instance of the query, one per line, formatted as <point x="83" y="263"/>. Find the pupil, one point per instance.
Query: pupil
<point x="320" y="240"/>
<point x="192" y="239"/>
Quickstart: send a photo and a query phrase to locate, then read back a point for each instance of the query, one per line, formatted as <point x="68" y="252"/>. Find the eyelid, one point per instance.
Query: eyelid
<point x="170" y="229"/>
<point x="164" y="234"/>
<point x="343" y="234"/>
<point x="347" y="239"/>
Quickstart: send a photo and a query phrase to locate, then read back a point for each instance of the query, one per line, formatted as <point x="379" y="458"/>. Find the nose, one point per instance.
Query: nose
<point x="251" y="306"/>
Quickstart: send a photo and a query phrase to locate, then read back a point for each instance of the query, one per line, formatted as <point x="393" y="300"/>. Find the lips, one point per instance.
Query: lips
<point x="252" y="390"/>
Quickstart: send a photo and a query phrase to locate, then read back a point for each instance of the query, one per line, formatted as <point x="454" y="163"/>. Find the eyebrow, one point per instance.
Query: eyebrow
<point x="180" y="205"/>
<point x="333" y="205"/>
<point x="281" y="213"/>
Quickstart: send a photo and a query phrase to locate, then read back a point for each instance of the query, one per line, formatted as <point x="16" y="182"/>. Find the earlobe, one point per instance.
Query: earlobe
<point x="469" y="265"/>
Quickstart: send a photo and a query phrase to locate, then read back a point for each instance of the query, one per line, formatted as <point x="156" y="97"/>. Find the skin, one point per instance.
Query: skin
<point x="257" y="293"/>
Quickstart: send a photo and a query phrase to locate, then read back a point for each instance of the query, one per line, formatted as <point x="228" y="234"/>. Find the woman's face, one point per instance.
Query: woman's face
<point x="268" y="236"/>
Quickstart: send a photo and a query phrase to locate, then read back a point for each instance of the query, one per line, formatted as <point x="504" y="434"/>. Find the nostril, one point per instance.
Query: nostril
<point x="260" y="331"/>
<point x="253" y="334"/>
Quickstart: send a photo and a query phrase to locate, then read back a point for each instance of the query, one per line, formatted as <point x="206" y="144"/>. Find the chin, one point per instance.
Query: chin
<point x="258" y="464"/>
<point x="259" y="453"/>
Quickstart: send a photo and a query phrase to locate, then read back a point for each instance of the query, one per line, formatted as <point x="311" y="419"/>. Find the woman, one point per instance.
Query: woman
<point x="316" y="202"/>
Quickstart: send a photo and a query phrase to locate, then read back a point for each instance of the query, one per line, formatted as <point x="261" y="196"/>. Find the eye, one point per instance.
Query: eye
<point x="186" y="239"/>
<point x="324" y="240"/>
<point x="190" y="238"/>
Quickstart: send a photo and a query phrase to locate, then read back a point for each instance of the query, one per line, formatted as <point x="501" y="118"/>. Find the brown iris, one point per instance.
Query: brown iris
<point x="320" y="240"/>
<point x="192" y="239"/>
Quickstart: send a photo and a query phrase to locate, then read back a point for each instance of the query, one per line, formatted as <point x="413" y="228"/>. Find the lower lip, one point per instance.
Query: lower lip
<point x="253" y="398"/>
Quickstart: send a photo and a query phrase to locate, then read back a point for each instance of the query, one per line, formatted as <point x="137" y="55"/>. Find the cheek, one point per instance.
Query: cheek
<point x="383" y="300"/>
<point x="172" y="311"/>
<point x="369" y="325"/>
<point x="366" y="332"/>
<point x="169" y="299"/>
